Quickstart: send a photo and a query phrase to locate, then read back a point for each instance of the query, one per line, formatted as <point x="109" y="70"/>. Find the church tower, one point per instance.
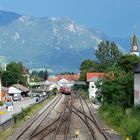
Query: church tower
<point x="134" y="46"/>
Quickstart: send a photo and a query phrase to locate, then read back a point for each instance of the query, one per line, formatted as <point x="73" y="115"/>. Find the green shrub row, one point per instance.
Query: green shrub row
<point x="22" y="114"/>
<point x="126" y="122"/>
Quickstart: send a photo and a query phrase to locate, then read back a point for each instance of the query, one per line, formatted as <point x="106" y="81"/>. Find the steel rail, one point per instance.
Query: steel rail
<point x="91" y="114"/>
<point x="62" y="118"/>
<point x="36" y="119"/>
<point x="50" y="131"/>
<point x="85" y="124"/>
<point x="95" y="122"/>
<point x="45" y="117"/>
<point x="53" y="129"/>
<point x="85" y="116"/>
<point x="34" y="135"/>
<point x="68" y="122"/>
<point x="59" y="123"/>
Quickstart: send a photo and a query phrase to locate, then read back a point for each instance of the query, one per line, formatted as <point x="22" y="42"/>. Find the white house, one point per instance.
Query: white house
<point x="137" y="84"/>
<point x="53" y="86"/>
<point x="18" y="90"/>
<point x="91" y="79"/>
<point x="64" y="82"/>
<point x="13" y="90"/>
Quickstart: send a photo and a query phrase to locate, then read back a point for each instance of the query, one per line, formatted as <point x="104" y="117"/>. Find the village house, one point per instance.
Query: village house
<point x="54" y="86"/>
<point x="137" y="84"/>
<point x="60" y="80"/>
<point x="24" y="90"/>
<point x="92" y="79"/>
<point x="18" y="90"/>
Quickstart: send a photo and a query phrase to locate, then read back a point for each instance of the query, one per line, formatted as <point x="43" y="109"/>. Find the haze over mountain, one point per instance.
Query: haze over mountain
<point x="57" y="43"/>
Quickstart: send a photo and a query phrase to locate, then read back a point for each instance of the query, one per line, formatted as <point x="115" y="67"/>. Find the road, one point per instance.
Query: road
<point x="17" y="106"/>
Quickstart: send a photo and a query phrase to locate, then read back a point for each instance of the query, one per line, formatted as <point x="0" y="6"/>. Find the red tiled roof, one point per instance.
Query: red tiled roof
<point x="76" y="76"/>
<point x="69" y="77"/>
<point x="94" y="75"/>
<point x="52" y="79"/>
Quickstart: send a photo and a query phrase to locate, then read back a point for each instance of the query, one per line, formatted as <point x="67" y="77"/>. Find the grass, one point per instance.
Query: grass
<point x="19" y="121"/>
<point x="83" y="93"/>
<point x="126" y="123"/>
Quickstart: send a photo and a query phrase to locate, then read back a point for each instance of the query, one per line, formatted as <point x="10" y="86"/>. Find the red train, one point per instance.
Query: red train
<point x="65" y="90"/>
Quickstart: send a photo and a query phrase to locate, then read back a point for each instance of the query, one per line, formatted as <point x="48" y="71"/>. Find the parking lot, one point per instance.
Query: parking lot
<point x="17" y="107"/>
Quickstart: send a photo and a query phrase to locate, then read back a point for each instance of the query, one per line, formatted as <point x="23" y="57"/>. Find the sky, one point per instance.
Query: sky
<point x="115" y="18"/>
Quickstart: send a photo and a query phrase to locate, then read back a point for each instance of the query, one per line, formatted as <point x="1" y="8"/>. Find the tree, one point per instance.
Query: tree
<point x="45" y="76"/>
<point x="107" y="54"/>
<point x="86" y="66"/>
<point x="116" y="87"/>
<point x="1" y="69"/>
<point x="65" y="73"/>
<point x="39" y="75"/>
<point x="14" y="74"/>
<point x="127" y="62"/>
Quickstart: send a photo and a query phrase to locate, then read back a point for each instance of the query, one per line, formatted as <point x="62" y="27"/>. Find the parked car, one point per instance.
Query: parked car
<point x="37" y="99"/>
<point x="17" y="97"/>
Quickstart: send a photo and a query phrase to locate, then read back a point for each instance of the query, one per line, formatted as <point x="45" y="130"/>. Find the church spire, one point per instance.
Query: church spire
<point x="134" y="44"/>
<point x="134" y="40"/>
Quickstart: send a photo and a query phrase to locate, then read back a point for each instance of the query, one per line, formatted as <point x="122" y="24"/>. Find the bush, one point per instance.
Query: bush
<point x="15" y="118"/>
<point x="84" y="93"/>
<point x="126" y="123"/>
<point x="1" y="103"/>
<point x="132" y="127"/>
<point x="54" y="91"/>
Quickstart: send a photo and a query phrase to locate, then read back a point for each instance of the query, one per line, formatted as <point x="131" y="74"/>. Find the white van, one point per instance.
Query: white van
<point x="17" y="97"/>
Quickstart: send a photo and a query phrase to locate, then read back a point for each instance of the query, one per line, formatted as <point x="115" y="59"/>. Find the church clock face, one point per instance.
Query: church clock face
<point x="135" y="48"/>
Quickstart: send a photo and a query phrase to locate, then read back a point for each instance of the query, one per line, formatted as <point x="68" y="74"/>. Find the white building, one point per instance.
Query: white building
<point x="65" y="82"/>
<point x="13" y="90"/>
<point x="92" y="79"/>
<point x="137" y="84"/>
<point x="54" y="86"/>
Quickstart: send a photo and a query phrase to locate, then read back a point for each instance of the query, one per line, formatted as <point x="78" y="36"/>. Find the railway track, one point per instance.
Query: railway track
<point x="58" y="129"/>
<point x="88" y="118"/>
<point x="38" y="120"/>
<point x="95" y="121"/>
<point x="60" y="123"/>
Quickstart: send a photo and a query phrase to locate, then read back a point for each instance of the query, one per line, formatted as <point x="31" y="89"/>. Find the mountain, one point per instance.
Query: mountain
<point x="7" y="17"/>
<point x="57" y="43"/>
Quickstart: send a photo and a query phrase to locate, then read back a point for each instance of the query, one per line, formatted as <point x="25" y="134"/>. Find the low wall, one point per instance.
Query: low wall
<point x="6" y="124"/>
<point x="11" y="121"/>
